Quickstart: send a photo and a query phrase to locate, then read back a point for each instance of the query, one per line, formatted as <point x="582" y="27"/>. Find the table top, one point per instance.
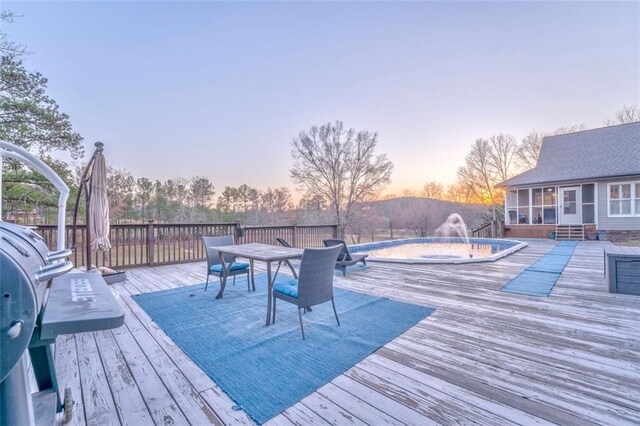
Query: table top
<point x="263" y="252"/>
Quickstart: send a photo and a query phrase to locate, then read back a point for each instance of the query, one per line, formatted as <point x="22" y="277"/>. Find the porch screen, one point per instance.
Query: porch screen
<point x="588" y="203"/>
<point x="550" y="200"/>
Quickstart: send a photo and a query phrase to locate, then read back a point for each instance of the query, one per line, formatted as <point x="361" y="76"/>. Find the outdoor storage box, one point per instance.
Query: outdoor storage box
<point x="622" y="269"/>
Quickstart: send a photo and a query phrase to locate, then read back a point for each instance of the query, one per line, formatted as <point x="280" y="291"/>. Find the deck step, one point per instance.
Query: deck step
<point x="570" y="232"/>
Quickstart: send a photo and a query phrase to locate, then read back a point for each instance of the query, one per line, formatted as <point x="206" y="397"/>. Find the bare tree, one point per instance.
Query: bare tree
<point x="489" y="162"/>
<point x="340" y="166"/>
<point x="528" y="150"/>
<point x="312" y="210"/>
<point x="366" y="223"/>
<point x="419" y="218"/>
<point x="456" y="193"/>
<point x="276" y="200"/>
<point x="276" y="207"/>
<point x="502" y="153"/>
<point x="434" y="190"/>
<point x="628" y="114"/>
<point x="407" y="193"/>
<point x="120" y="192"/>
<point x="7" y="46"/>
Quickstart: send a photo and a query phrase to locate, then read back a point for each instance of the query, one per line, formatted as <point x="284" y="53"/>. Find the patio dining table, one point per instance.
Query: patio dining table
<point x="256" y="251"/>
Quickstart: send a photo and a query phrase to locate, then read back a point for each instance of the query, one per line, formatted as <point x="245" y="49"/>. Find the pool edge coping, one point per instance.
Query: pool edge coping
<point x="518" y="246"/>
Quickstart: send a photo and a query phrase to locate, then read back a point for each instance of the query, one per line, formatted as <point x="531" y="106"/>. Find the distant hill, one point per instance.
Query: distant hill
<point x="403" y="208"/>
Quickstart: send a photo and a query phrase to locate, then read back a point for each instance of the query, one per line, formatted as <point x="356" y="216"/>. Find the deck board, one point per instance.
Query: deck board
<point x="484" y="356"/>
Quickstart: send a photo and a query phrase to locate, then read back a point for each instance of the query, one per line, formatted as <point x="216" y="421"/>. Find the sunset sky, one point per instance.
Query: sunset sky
<point x="221" y="89"/>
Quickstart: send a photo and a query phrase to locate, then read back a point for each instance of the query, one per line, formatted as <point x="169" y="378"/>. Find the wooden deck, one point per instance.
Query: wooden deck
<point x="484" y="356"/>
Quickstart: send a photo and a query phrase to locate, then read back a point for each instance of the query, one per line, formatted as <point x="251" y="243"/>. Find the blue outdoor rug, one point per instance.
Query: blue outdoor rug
<point x="540" y="278"/>
<point x="267" y="369"/>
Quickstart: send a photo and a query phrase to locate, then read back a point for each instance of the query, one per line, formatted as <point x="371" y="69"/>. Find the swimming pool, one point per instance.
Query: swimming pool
<point x="438" y="250"/>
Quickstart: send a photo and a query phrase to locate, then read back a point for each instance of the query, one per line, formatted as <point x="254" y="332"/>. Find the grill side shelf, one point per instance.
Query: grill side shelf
<point x="79" y="302"/>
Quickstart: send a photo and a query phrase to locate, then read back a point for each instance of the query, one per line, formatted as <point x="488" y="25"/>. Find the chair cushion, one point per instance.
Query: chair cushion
<point x="236" y="266"/>
<point x="290" y="288"/>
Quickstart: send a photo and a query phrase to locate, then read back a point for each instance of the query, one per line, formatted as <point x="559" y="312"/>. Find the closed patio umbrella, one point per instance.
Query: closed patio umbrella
<point x="94" y="184"/>
<point x="99" y="205"/>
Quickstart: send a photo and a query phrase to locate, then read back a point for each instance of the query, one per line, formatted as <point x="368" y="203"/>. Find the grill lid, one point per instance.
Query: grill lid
<point x="24" y="274"/>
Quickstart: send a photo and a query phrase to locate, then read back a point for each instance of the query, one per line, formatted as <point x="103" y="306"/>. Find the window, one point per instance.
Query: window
<point x="624" y="199"/>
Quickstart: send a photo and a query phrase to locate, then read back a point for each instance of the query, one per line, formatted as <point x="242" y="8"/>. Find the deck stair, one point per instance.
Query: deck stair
<point x="570" y="232"/>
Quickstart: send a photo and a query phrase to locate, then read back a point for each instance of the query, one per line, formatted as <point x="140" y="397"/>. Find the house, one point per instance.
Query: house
<point x="584" y="183"/>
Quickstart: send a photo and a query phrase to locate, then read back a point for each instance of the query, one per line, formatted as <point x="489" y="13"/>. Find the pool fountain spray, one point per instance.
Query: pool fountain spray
<point x="455" y="226"/>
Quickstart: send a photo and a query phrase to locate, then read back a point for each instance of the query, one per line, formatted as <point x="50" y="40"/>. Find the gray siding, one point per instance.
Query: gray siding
<point x="614" y="223"/>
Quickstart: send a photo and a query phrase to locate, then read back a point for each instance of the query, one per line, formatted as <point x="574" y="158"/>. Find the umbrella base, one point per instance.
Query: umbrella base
<point x="110" y="276"/>
<point x="115" y="277"/>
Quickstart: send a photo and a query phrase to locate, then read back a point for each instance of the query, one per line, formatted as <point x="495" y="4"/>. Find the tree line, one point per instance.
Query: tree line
<point x="194" y="200"/>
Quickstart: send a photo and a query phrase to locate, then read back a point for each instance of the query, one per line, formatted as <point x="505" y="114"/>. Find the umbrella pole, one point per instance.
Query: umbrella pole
<point x="87" y="198"/>
<point x="86" y="177"/>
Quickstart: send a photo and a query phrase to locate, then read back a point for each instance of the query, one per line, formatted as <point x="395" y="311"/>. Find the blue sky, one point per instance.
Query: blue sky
<point x="221" y="89"/>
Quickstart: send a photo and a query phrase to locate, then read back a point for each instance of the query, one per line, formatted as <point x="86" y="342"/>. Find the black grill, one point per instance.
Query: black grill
<point x="40" y="299"/>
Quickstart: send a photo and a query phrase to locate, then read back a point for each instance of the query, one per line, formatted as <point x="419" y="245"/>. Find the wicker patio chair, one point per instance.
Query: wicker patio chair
<point x="213" y="260"/>
<point x="314" y="285"/>
<point x="345" y="258"/>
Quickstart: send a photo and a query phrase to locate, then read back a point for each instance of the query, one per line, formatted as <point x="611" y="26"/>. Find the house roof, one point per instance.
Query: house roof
<point x="589" y="154"/>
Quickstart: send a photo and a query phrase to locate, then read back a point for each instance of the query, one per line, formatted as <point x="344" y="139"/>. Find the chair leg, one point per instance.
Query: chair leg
<point x="234" y="280"/>
<point x="207" y="284"/>
<point x="334" y="311"/>
<point x="253" y="277"/>
<point x="248" y="283"/>
<point x="273" y="315"/>
<point x="301" y="326"/>
<point x="344" y="271"/>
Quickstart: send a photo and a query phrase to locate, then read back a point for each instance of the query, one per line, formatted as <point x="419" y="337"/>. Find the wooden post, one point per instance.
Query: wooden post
<point x="238" y="237"/>
<point x="150" y="244"/>
<point x="294" y="235"/>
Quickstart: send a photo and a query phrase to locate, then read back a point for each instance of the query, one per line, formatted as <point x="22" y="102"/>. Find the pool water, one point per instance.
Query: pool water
<point x="438" y="250"/>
